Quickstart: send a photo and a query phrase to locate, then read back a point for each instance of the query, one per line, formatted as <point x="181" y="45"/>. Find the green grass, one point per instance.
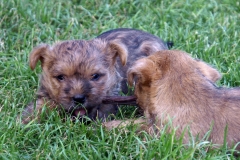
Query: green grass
<point x="208" y="29"/>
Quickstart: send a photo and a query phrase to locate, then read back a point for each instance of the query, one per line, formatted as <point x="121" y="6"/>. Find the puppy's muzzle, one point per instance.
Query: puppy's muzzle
<point x="79" y="99"/>
<point x="79" y="110"/>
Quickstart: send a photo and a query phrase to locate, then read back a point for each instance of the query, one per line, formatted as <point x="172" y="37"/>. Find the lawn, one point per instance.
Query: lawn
<point x="207" y="29"/>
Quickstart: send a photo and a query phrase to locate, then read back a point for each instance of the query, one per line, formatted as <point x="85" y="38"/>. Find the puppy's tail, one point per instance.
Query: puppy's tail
<point x="170" y="44"/>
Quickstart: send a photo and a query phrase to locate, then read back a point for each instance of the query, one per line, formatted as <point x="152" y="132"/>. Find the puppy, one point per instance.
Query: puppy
<point x="77" y="74"/>
<point x="171" y="84"/>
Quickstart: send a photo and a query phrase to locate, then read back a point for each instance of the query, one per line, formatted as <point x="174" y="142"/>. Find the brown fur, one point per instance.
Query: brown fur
<point x="66" y="74"/>
<point x="77" y="74"/>
<point x="171" y="84"/>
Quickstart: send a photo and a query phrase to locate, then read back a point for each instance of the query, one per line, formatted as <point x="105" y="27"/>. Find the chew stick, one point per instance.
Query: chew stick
<point x="123" y="100"/>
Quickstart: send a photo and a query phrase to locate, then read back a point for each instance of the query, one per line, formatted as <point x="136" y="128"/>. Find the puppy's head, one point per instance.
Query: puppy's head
<point x="164" y="70"/>
<point x="78" y="73"/>
<point x="143" y="73"/>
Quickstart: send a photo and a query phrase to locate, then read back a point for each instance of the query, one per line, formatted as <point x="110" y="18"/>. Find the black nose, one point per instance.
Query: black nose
<point x="79" y="98"/>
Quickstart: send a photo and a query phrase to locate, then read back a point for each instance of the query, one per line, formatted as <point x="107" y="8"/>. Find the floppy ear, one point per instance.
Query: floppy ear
<point x="131" y="76"/>
<point x="148" y="69"/>
<point x="118" y="49"/>
<point x="210" y="73"/>
<point x="38" y="53"/>
<point x="140" y="72"/>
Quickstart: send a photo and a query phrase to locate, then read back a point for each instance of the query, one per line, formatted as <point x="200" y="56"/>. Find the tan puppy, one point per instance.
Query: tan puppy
<point x="171" y="84"/>
<point x="77" y="74"/>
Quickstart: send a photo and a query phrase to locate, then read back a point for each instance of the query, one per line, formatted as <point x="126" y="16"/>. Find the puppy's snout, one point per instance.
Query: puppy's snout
<point x="79" y="98"/>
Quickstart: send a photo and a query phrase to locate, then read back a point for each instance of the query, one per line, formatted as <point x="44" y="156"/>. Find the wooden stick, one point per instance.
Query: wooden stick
<point x="123" y="100"/>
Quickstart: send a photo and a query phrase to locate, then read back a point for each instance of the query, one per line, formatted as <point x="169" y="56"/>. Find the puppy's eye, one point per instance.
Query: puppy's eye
<point x="95" y="77"/>
<point x="60" y="77"/>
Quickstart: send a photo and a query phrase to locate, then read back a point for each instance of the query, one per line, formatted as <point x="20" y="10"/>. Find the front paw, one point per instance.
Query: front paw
<point x="114" y="124"/>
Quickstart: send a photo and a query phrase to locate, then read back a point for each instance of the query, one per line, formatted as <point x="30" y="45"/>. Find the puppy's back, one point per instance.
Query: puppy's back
<point x="138" y="43"/>
<point x="132" y="37"/>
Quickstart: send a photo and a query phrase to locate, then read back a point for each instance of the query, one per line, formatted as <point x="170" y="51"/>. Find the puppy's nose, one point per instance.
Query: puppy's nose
<point x="79" y="98"/>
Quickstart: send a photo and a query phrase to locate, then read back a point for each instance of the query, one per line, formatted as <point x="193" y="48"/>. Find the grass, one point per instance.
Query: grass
<point x="209" y="30"/>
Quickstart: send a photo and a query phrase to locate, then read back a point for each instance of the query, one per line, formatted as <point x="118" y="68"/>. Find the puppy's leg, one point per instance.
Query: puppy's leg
<point x="33" y="111"/>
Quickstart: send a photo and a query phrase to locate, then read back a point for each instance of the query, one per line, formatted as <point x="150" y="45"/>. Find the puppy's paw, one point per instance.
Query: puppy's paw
<point x="114" y="124"/>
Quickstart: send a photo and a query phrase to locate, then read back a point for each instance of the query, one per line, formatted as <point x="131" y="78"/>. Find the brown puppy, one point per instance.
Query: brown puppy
<point x="77" y="74"/>
<point x="171" y="84"/>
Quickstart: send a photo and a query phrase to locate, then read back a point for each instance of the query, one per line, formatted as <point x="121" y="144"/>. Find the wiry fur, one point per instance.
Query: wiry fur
<point x="89" y="70"/>
<point x="77" y="62"/>
<point x="138" y="43"/>
<point x="171" y="84"/>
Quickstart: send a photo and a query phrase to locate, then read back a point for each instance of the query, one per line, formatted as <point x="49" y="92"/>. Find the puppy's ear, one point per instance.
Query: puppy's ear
<point x="118" y="49"/>
<point x="210" y="73"/>
<point x="141" y="71"/>
<point x="38" y="53"/>
<point x="131" y="76"/>
<point x="148" y="69"/>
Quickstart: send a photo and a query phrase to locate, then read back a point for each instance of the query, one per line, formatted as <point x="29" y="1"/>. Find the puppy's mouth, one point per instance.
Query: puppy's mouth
<point x="80" y="109"/>
<point x="79" y="112"/>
